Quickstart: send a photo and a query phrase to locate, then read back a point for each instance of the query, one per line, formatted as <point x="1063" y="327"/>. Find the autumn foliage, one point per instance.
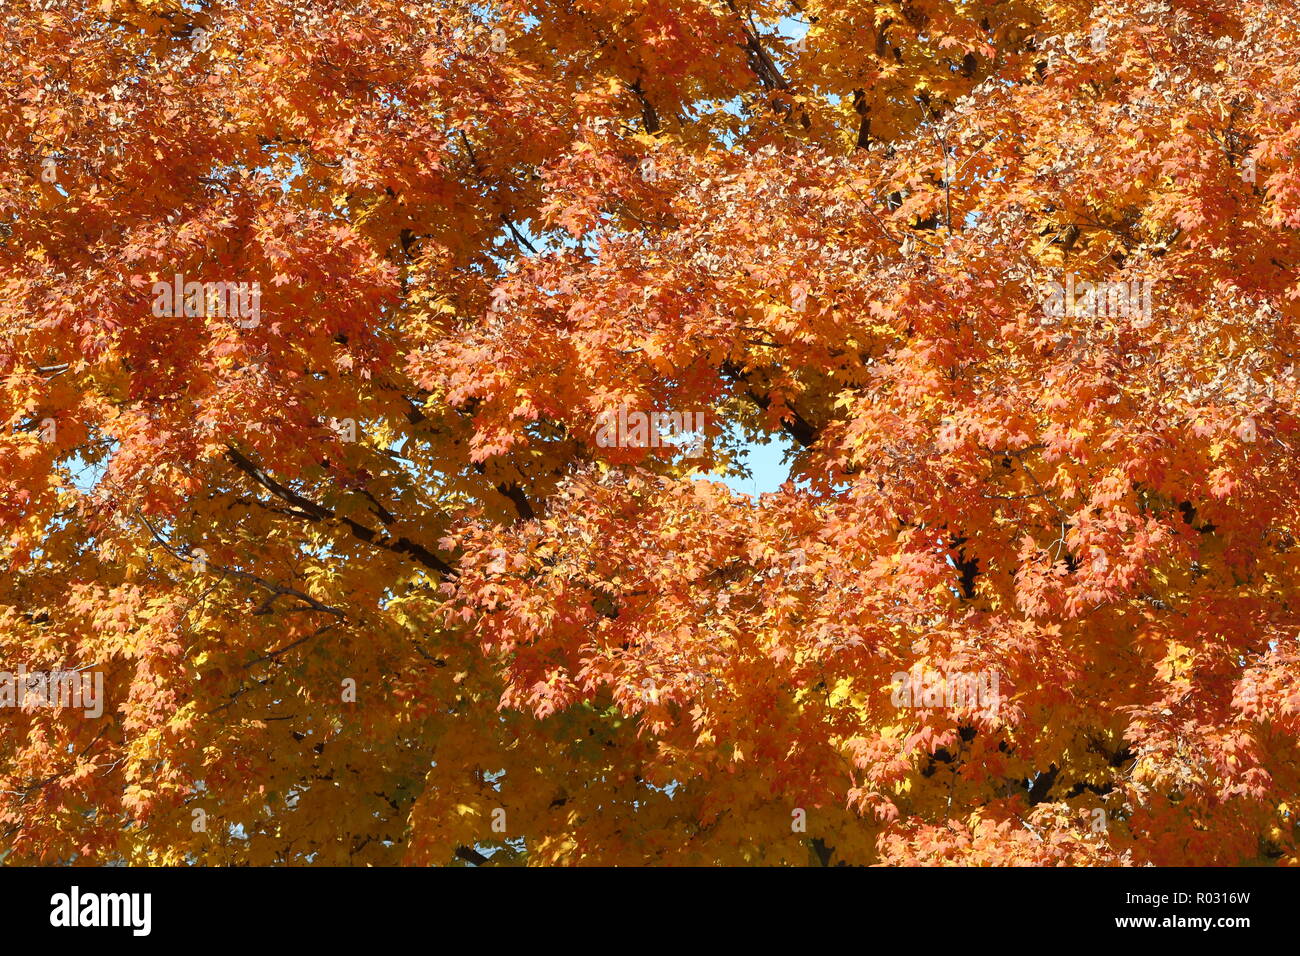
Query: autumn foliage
<point x="362" y="586"/>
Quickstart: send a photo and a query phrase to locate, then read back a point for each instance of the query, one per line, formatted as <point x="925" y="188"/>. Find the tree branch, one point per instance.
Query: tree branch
<point x="319" y="513"/>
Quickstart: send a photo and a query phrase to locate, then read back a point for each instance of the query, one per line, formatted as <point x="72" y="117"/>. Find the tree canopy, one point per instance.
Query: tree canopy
<point x="1016" y="281"/>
